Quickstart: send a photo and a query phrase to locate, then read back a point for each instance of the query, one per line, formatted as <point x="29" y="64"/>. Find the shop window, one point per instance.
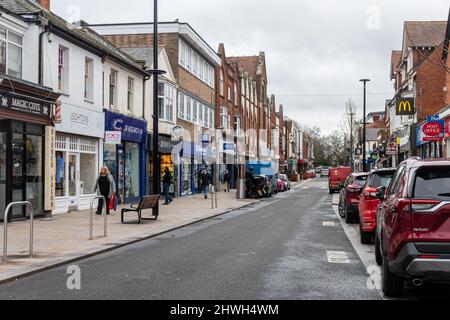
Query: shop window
<point x="131" y="170"/>
<point x="60" y="175"/>
<point x="87" y="173"/>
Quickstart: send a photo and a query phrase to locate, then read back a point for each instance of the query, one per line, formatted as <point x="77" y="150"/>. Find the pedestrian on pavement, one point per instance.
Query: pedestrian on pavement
<point x="206" y="180"/>
<point x="248" y="180"/>
<point x="167" y="182"/>
<point x="105" y="186"/>
<point x="227" y="180"/>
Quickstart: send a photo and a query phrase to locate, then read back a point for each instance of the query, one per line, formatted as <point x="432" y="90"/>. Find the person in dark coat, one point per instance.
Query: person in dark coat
<point x="248" y="180"/>
<point x="206" y="181"/>
<point x="167" y="182"/>
<point x="227" y="181"/>
<point x="106" y="187"/>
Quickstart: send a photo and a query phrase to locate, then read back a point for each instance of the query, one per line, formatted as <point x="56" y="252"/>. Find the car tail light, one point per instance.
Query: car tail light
<point x="428" y="256"/>
<point x="423" y="205"/>
<point x="370" y="194"/>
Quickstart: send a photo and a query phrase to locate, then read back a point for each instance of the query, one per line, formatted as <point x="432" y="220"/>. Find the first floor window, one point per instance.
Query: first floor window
<point x="224" y="117"/>
<point x="88" y="78"/>
<point x="188" y="108"/>
<point x="195" y="109"/>
<point x="63" y="69"/>
<point x="211" y="119"/>
<point x="181" y="106"/>
<point x="165" y="101"/>
<point x="113" y="88"/>
<point x="10" y="53"/>
<point x="130" y="94"/>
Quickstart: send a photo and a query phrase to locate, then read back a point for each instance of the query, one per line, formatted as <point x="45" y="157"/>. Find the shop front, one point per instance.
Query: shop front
<point x="125" y="155"/>
<point x="26" y="137"/>
<point x="78" y="150"/>
<point x="165" y="146"/>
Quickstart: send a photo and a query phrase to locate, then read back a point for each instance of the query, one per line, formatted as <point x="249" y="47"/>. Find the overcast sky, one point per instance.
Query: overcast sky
<point x="316" y="50"/>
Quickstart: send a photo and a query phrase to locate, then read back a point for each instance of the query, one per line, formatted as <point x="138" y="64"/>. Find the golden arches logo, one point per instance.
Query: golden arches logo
<point x="405" y="106"/>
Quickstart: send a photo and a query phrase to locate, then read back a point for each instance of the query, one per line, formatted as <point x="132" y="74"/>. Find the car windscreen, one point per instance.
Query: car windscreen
<point x="432" y="183"/>
<point x="381" y="179"/>
<point x="361" y="180"/>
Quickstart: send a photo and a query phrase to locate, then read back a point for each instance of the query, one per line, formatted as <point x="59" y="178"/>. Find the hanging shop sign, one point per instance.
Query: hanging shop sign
<point x="392" y="148"/>
<point x="13" y="102"/>
<point x="405" y="107"/>
<point x="133" y="130"/>
<point x="113" y="137"/>
<point x="177" y="131"/>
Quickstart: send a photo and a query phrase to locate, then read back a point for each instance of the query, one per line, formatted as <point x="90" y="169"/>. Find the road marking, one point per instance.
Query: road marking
<point x="328" y="224"/>
<point x="305" y="188"/>
<point x="337" y="257"/>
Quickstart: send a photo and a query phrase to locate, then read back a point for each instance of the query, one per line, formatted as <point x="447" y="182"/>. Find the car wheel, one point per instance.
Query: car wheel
<point x="330" y="191"/>
<point x="341" y="210"/>
<point x="378" y="257"/>
<point x="392" y="285"/>
<point x="366" y="237"/>
<point x="348" y="215"/>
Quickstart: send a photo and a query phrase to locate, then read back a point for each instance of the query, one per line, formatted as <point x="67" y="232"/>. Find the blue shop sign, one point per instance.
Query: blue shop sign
<point x="133" y="130"/>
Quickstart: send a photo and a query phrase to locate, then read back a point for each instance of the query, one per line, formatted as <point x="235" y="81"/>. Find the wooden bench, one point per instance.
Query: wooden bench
<point x="147" y="202"/>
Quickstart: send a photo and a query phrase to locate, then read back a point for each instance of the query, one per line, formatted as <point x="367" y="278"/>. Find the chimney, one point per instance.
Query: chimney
<point x="44" y="4"/>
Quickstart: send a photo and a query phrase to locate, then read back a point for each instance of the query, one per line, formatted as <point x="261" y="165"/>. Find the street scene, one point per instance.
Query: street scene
<point x="186" y="152"/>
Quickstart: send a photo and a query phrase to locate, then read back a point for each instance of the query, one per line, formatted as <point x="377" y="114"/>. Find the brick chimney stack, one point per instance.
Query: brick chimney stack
<point x="44" y="4"/>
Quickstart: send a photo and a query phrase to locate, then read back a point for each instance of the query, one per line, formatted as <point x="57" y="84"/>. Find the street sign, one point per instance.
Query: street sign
<point x="405" y="107"/>
<point x="392" y="148"/>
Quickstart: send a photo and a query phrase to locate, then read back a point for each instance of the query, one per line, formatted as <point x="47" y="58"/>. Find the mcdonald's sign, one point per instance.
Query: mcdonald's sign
<point x="405" y="107"/>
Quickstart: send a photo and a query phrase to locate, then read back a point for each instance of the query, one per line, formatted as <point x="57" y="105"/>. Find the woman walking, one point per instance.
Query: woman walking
<point x="106" y="187"/>
<point x="227" y="181"/>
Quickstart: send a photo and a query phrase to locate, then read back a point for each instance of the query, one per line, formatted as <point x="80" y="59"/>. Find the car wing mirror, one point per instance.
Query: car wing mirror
<point x="381" y="193"/>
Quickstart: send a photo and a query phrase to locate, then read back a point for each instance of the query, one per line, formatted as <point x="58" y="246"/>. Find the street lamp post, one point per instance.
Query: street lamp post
<point x="351" y="140"/>
<point x="364" y="125"/>
<point x="155" y="73"/>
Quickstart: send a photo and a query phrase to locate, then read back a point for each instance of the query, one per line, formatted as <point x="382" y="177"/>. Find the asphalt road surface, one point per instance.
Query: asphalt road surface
<point x="289" y="247"/>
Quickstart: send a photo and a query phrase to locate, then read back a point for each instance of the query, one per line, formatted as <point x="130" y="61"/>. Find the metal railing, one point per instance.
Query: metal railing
<point x="91" y="220"/>
<point x="5" y="226"/>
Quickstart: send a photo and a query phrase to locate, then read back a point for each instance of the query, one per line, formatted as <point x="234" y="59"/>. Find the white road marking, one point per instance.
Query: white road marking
<point x="365" y="252"/>
<point x="337" y="257"/>
<point x="328" y="224"/>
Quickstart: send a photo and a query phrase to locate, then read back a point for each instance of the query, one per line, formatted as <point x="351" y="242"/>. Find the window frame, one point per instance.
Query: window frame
<point x="130" y="94"/>
<point x="89" y="79"/>
<point x="113" y="93"/>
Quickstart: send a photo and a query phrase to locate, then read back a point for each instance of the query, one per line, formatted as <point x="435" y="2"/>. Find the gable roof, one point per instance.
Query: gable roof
<point x="88" y="37"/>
<point x="395" y="60"/>
<point x="424" y="33"/>
<point x="248" y="63"/>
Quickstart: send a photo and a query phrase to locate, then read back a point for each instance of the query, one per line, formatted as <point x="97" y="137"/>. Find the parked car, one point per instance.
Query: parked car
<point x="337" y="178"/>
<point x="318" y="170"/>
<point x="413" y="225"/>
<point x="369" y="202"/>
<point x="324" y="172"/>
<point x="311" y="174"/>
<point x="284" y="179"/>
<point x="349" y="196"/>
<point x="260" y="187"/>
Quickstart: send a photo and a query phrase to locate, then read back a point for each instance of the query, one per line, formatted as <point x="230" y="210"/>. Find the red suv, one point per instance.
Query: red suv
<point x="369" y="201"/>
<point x="337" y="177"/>
<point x="349" y="196"/>
<point x="413" y="225"/>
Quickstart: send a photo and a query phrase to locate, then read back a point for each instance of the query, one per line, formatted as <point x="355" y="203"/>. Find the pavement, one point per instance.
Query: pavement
<point x="289" y="247"/>
<point x="64" y="238"/>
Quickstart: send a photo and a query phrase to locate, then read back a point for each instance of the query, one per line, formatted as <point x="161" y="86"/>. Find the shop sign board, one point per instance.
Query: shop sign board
<point x="81" y="121"/>
<point x="405" y="107"/>
<point x="13" y="102"/>
<point x="133" y="130"/>
<point x="50" y="163"/>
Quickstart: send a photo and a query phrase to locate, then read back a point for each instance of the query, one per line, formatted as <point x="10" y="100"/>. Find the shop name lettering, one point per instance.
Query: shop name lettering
<point x="133" y="130"/>
<point x="79" y="118"/>
<point x="32" y="106"/>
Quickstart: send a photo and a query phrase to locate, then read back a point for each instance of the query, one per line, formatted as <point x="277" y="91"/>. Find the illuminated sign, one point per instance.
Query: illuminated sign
<point x="405" y="107"/>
